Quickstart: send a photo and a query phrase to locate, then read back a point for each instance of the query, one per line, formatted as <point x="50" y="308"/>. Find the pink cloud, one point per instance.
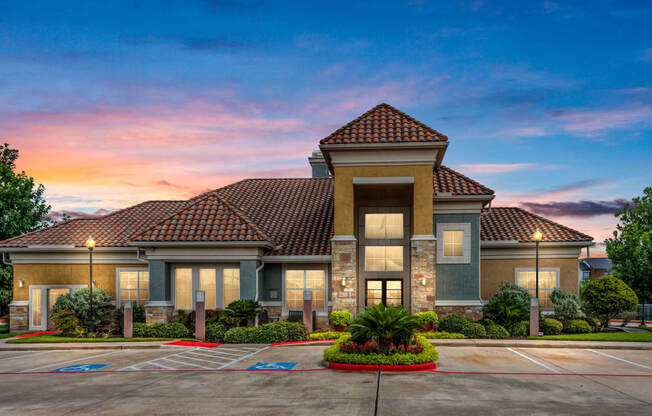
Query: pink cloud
<point x="592" y="122"/>
<point x="494" y="168"/>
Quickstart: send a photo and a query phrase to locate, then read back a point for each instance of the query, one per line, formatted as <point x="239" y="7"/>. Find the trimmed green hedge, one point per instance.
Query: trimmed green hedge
<point x="495" y="331"/>
<point x="340" y="318"/>
<point x="315" y="336"/>
<point x="428" y="317"/>
<point x="267" y="334"/>
<point x="550" y="326"/>
<point x="428" y="355"/>
<point x="577" y="326"/>
<point x="520" y="329"/>
<point x="453" y="323"/>
<point x="441" y="335"/>
<point x="474" y="330"/>
<point x="216" y="332"/>
<point x="172" y="330"/>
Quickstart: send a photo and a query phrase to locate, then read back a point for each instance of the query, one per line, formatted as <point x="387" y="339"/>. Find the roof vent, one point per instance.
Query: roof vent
<point x="318" y="164"/>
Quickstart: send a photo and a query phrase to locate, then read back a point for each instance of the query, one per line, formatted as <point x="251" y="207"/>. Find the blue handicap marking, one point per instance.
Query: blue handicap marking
<point x="80" y="368"/>
<point x="272" y="366"/>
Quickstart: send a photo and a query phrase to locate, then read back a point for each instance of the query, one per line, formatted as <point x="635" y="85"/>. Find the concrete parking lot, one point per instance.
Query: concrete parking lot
<point x="188" y="380"/>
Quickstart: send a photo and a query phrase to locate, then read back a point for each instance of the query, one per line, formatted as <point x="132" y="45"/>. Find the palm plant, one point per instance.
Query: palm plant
<point x="385" y="325"/>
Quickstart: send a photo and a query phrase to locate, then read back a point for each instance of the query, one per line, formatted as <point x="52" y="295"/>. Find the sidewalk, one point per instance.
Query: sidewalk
<point x="532" y="343"/>
<point x="82" y="346"/>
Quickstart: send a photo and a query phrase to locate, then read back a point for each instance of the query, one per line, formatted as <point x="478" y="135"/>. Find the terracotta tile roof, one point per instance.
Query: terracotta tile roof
<point x="296" y="213"/>
<point x="384" y="124"/>
<point x="446" y="180"/>
<point x="209" y="218"/>
<point x="112" y="230"/>
<point x="512" y="223"/>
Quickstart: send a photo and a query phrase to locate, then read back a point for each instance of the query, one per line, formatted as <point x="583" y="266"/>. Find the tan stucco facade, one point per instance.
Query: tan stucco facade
<point x="345" y="201"/>
<point x="65" y="274"/>
<point x="495" y="271"/>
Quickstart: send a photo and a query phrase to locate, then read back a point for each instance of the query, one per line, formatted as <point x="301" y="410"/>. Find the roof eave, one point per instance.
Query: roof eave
<point x="451" y="197"/>
<point x="264" y="244"/>
<point x="516" y="243"/>
<point x="46" y="248"/>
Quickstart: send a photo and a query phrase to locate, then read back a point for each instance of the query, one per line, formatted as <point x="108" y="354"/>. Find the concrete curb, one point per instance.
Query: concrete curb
<point x="603" y="345"/>
<point x="78" y="346"/>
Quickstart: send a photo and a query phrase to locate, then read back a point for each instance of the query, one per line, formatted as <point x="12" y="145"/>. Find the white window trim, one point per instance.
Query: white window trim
<point x="541" y="269"/>
<point x="321" y="311"/>
<point x="117" y="282"/>
<point x="465" y="227"/>
<point x="219" y="283"/>
<point x="44" y="300"/>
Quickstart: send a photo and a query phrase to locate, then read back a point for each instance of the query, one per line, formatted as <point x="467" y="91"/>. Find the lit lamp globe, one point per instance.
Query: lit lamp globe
<point x="90" y="243"/>
<point x="537" y="236"/>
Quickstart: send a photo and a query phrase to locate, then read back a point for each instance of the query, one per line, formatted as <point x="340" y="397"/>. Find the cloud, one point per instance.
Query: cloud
<point x="583" y="208"/>
<point x="494" y="168"/>
<point x="58" y="215"/>
<point x="594" y="122"/>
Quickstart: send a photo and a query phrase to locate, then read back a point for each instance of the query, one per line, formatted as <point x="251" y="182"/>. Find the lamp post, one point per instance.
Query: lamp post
<point x="90" y="245"/>
<point x="534" y="304"/>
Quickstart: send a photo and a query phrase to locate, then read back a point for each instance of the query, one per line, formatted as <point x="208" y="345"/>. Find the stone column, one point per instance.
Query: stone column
<point x="200" y="315"/>
<point x="422" y="273"/>
<point x="307" y="310"/>
<point x="128" y="320"/>
<point x="18" y="316"/>
<point x="345" y="281"/>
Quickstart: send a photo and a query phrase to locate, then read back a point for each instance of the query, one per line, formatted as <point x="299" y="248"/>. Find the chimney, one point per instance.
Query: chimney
<point x="318" y="164"/>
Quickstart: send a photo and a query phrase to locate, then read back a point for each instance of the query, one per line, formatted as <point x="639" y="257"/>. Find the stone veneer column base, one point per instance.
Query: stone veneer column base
<point x="422" y="274"/>
<point x="344" y="280"/>
<point x="155" y="314"/>
<point x="474" y="312"/>
<point x="18" y="317"/>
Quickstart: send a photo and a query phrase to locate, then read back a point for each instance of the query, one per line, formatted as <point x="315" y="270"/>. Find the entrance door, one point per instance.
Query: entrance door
<point x="388" y="292"/>
<point x="53" y="294"/>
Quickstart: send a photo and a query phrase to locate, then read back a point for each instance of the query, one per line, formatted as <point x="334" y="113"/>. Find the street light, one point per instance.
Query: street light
<point x="537" y="236"/>
<point x="534" y="303"/>
<point x="90" y="245"/>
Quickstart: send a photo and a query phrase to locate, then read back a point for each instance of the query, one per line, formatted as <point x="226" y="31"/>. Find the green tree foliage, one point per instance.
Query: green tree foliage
<point x="22" y="209"/>
<point x="386" y="325"/>
<point x="630" y="249"/>
<point x="508" y="305"/>
<point x="78" y="302"/>
<point x="566" y="304"/>
<point x="608" y="296"/>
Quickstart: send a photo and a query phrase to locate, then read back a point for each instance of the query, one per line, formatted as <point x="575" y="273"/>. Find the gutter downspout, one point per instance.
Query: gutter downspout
<point x="8" y="263"/>
<point x="258" y="269"/>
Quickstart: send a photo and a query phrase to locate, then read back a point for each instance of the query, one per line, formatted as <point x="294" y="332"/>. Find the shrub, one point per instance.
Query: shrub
<point x="577" y="326"/>
<point x="334" y="354"/>
<point x="296" y="330"/>
<point x="216" y="331"/>
<point x="315" y="336"/>
<point x="593" y="323"/>
<point x="608" y="296"/>
<point x="138" y="312"/>
<point x="474" y="330"/>
<point x="66" y="322"/>
<point x="452" y="323"/>
<point x="508" y="290"/>
<point x="505" y="311"/>
<point x="340" y="318"/>
<point x="78" y="302"/>
<point x="550" y="326"/>
<point x="428" y="320"/>
<point x="495" y="331"/>
<point x="237" y="335"/>
<point x="242" y="310"/>
<point x="386" y="325"/>
<point x="567" y="306"/>
<point x="267" y="334"/>
<point x="170" y="330"/>
<point x="212" y="317"/>
<point x="441" y="335"/>
<point x="520" y="329"/>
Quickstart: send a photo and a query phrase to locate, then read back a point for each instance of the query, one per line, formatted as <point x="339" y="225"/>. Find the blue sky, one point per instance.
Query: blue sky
<point x="546" y="102"/>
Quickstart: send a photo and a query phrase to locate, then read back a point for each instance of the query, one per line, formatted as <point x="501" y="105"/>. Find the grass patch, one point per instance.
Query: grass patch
<point x="8" y="335"/>
<point x="39" y="339"/>
<point x="602" y="336"/>
<point x="441" y="335"/>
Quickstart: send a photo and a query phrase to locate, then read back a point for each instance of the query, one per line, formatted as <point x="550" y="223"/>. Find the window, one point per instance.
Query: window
<point x="548" y="280"/>
<point x="296" y="281"/>
<point x="453" y="243"/>
<point x="383" y="258"/>
<point x="207" y="284"/>
<point x="183" y="288"/>
<point x="383" y="226"/>
<point x="231" y="285"/>
<point x="133" y="285"/>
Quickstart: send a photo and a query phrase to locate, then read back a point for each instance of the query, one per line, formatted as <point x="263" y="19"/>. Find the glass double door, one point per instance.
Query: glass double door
<point x="385" y="291"/>
<point x="42" y="300"/>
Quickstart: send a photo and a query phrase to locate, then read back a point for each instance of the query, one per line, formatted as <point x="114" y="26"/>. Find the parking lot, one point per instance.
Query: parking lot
<point x="190" y="380"/>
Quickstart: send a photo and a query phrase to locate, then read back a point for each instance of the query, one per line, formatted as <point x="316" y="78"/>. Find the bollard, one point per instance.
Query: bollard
<point x="307" y="310"/>
<point x="200" y="315"/>
<point x="128" y="320"/>
<point x="534" y="317"/>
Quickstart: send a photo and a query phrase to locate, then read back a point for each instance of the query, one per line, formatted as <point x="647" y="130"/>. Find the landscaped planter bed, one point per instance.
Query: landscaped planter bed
<point x="382" y="367"/>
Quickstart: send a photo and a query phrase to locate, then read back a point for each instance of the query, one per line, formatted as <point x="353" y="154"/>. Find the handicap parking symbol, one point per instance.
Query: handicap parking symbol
<point x="80" y="368"/>
<point x="272" y="366"/>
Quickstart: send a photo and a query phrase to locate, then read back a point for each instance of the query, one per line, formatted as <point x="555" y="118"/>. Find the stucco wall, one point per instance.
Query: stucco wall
<point x="65" y="274"/>
<point x="344" y="194"/>
<point x="495" y="271"/>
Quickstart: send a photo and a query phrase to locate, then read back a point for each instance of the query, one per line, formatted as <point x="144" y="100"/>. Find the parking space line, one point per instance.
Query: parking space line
<point x="159" y="365"/>
<point x="71" y="361"/>
<point x="186" y="357"/>
<point x="246" y="356"/>
<point x="227" y="353"/>
<point x="210" y="355"/>
<point x="184" y="363"/>
<point x="534" y="361"/>
<point x="620" y="359"/>
<point x="232" y="350"/>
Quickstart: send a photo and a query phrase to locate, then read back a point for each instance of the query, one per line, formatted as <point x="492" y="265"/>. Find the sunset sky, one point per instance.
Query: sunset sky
<point x="549" y="104"/>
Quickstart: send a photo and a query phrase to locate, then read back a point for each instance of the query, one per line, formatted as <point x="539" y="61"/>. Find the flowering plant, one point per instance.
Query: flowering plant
<point x="371" y="347"/>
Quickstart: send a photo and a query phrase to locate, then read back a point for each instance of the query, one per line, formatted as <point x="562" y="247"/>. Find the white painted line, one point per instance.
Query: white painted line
<point x="160" y="358"/>
<point x="160" y="365"/>
<point x="25" y="355"/>
<point x="534" y="361"/>
<point x="72" y="361"/>
<point x="620" y="359"/>
<point x="209" y="355"/>
<point x="245" y="357"/>
<point x="223" y="354"/>
<point x="184" y="363"/>
<point x="185" y="357"/>
<point x="236" y="351"/>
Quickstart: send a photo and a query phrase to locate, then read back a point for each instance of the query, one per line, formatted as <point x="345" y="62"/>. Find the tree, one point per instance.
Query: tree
<point x="630" y="249"/>
<point x="22" y="209"/>
<point x="608" y="296"/>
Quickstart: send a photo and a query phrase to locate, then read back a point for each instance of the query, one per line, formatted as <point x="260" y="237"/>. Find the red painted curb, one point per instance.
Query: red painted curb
<point x="382" y="367"/>
<point x="194" y="344"/>
<point x="33" y="334"/>
<point x="301" y="342"/>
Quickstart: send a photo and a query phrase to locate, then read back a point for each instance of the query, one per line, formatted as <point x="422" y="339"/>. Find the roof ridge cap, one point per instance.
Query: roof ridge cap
<point x="245" y="217"/>
<point x="49" y="227"/>
<point x="454" y="172"/>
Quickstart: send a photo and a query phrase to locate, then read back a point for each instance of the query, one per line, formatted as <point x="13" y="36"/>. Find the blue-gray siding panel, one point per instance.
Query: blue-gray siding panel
<point x="248" y="279"/>
<point x="159" y="281"/>
<point x="272" y="280"/>
<point x="460" y="281"/>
